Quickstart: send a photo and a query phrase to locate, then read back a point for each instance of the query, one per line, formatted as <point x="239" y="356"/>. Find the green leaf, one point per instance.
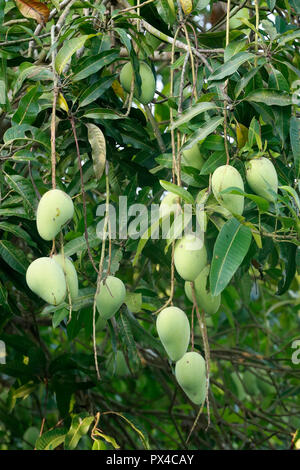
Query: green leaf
<point x="2" y="92"/>
<point x="293" y="193"/>
<point x="142" y="335"/>
<point x="68" y="49"/>
<point x="289" y="37"/>
<point x="270" y="97"/>
<point x="295" y="142"/>
<point x="79" y="427"/>
<point x="289" y="269"/>
<point x="191" y="113"/>
<point x="232" y="66"/>
<point x="271" y="4"/>
<point x="98" y="144"/>
<point x="26" y="132"/>
<point x="109" y="439"/>
<point x="203" y="131"/>
<point x="134" y="301"/>
<point x="25" y="390"/>
<point x="17" y="231"/>
<point x="33" y="72"/>
<point x="215" y="160"/>
<point x="79" y="244"/>
<point x="128" y="339"/>
<point x="93" y="92"/>
<point x="296" y="5"/>
<point x="178" y="190"/>
<point x="58" y="316"/>
<point x="230" y="248"/>
<point x="95" y="63"/>
<point x="51" y="439"/>
<point x="23" y="187"/>
<point x="13" y="256"/>
<point x="245" y="79"/>
<point x="84" y="299"/>
<point x="233" y="48"/>
<point x="99" y="445"/>
<point x="143" y="240"/>
<point x="277" y="81"/>
<point x="28" y="108"/>
<point x="135" y="426"/>
<point x="102" y="113"/>
<point x="261" y="203"/>
<point x="254" y="134"/>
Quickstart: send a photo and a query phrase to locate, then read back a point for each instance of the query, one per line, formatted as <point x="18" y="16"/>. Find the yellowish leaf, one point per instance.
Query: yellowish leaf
<point x="34" y="9"/>
<point x="116" y="86"/>
<point x="62" y="103"/>
<point x="98" y="144"/>
<point x="241" y="135"/>
<point x="187" y="6"/>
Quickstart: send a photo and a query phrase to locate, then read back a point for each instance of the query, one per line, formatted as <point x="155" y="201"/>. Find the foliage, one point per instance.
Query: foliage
<point x="237" y="96"/>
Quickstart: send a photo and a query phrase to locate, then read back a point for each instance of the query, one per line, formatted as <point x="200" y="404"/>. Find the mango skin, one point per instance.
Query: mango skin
<point x="204" y="298"/>
<point x="121" y="369"/>
<point x="264" y="384"/>
<point x="100" y="324"/>
<point x="169" y="205"/>
<point x="250" y="383"/>
<point x="190" y="257"/>
<point x="224" y="177"/>
<point x="147" y="85"/>
<point x="54" y="210"/>
<point x="46" y="279"/>
<point x="262" y="176"/>
<point x="190" y="373"/>
<point x="192" y="157"/>
<point x="70" y="274"/>
<point x="238" y="385"/>
<point x="110" y="297"/>
<point x="173" y="329"/>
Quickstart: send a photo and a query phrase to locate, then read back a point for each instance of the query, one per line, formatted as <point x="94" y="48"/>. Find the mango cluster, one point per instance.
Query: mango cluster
<point x="260" y="175"/>
<point x="51" y="278"/>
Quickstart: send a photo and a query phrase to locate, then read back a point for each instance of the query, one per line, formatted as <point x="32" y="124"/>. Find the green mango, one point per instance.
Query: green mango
<point x="30" y="437"/>
<point x="190" y="372"/>
<point x="238" y="385"/>
<point x="100" y="324"/>
<point x="121" y="369"/>
<point x="190" y="257"/>
<point x="262" y="178"/>
<point x="173" y="329"/>
<point x="147" y="85"/>
<point x="169" y="205"/>
<point x="250" y="383"/>
<point x="70" y="274"/>
<point x="110" y="297"/>
<point x="264" y="384"/>
<point x="224" y="177"/>
<point x="54" y="210"/>
<point x="204" y="298"/>
<point x="192" y="157"/>
<point x="46" y="279"/>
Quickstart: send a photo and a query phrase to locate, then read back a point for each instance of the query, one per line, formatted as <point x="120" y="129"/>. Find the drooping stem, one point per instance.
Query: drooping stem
<point x="226" y="86"/>
<point x="100" y="270"/>
<point x="83" y="192"/>
<point x="256" y="28"/>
